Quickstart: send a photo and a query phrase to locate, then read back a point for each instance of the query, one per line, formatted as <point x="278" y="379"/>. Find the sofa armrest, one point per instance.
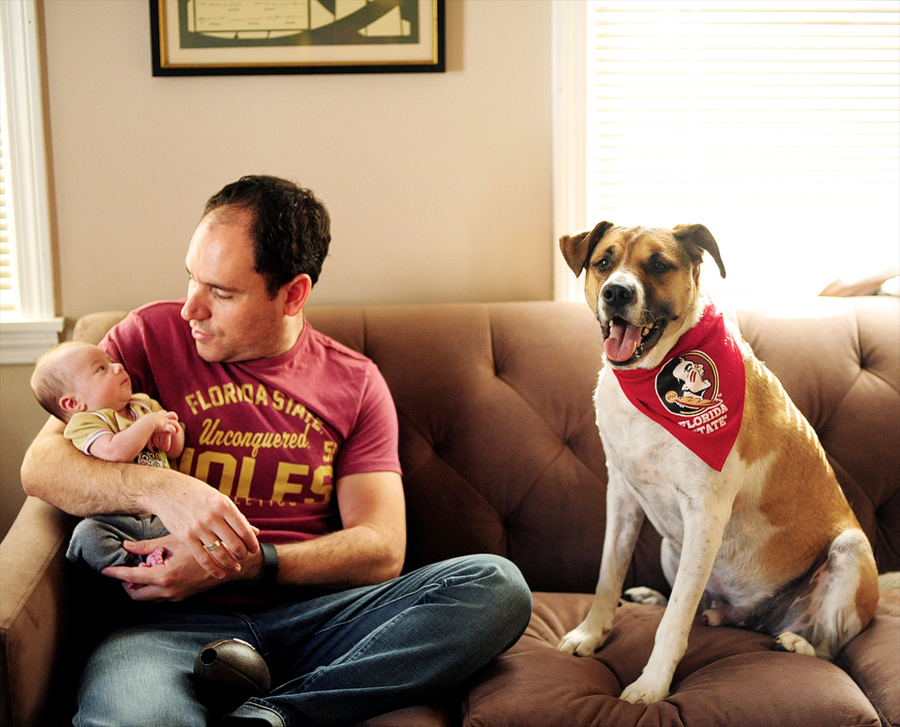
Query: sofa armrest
<point x="32" y="609"/>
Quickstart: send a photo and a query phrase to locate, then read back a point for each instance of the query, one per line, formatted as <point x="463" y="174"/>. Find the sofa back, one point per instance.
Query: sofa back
<point x="501" y="453"/>
<point x="497" y="436"/>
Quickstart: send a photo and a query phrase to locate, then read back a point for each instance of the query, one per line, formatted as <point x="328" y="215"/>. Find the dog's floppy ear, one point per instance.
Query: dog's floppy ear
<point x="577" y="248"/>
<point x="698" y="236"/>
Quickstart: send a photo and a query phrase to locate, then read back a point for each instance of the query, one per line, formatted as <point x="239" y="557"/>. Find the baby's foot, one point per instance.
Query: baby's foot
<point x="157" y="557"/>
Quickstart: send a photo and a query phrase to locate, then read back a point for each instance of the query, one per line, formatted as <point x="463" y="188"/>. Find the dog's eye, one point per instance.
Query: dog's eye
<point x="659" y="267"/>
<point x="603" y="263"/>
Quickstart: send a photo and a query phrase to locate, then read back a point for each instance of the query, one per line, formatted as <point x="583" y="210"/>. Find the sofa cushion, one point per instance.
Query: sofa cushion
<point x="873" y="657"/>
<point x="727" y="676"/>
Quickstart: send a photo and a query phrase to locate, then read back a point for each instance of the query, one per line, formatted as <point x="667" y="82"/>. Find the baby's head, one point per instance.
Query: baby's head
<point x="76" y="376"/>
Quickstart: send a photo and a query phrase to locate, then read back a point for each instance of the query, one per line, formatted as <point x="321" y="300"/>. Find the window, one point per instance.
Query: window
<point x="774" y="123"/>
<point x="27" y="324"/>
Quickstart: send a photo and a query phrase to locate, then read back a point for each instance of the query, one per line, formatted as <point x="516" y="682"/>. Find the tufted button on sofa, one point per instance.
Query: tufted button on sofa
<point x="501" y="454"/>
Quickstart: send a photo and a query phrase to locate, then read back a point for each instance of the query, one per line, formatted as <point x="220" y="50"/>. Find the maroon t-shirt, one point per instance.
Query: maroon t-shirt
<point x="273" y="434"/>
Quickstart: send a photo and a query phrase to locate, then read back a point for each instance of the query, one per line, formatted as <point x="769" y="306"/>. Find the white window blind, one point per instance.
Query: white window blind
<point x="27" y="323"/>
<point x="775" y="124"/>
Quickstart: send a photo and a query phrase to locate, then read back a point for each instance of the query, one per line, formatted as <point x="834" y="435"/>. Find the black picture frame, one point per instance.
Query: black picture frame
<point x="217" y="37"/>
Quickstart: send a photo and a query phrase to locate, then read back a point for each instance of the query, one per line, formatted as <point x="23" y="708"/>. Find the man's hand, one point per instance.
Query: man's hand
<point x="199" y="515"/>
<point x="179" y="576"/>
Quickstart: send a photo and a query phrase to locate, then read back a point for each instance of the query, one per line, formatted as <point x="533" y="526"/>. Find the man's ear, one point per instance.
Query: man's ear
<point x="577" y="248"/>
<point x="71" y="405"/>
<point x="697" y="236"/>
<point x="298" y="291"/>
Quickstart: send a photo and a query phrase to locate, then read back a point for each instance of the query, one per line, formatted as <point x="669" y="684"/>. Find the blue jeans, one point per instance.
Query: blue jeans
<point x="334" y="660"/>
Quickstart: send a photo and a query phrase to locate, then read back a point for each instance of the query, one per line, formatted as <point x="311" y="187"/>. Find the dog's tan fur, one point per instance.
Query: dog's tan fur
<point x="772" y="527"/>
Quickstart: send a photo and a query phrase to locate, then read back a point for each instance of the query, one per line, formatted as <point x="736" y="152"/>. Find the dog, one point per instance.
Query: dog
<point x="702" y="439"/>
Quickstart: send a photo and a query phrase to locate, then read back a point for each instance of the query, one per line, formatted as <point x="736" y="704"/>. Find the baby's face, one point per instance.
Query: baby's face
<point x="99" y="382"/>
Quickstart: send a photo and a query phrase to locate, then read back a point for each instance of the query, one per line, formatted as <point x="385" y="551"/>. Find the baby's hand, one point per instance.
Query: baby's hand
<point x="160" y="441"/>
<point x="166" y="424"/>
<point x="165" y="421"/>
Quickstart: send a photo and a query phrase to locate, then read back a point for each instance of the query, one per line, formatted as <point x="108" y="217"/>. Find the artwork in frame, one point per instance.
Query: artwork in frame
<point x="232" y="37"/>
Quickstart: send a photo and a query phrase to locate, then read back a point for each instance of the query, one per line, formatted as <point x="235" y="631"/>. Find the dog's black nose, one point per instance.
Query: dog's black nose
<point x="617" y="294"/>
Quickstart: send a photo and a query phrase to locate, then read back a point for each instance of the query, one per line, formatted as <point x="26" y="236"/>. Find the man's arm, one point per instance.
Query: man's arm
<point x="195" y="513"/>
<point x="369" y="549"/>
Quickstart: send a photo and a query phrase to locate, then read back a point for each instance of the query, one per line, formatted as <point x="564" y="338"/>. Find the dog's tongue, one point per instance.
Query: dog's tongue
<point x="623" y="341"/>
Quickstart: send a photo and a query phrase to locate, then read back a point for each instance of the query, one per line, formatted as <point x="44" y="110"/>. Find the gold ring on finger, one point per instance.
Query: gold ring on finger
<point x="213" y="546"/>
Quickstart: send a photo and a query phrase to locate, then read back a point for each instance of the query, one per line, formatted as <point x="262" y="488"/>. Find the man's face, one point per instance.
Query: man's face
<point x="231" y="315"/>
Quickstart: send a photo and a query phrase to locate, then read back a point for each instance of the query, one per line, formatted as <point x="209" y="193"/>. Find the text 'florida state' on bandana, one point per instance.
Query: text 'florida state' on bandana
<point x="697" y="393"/>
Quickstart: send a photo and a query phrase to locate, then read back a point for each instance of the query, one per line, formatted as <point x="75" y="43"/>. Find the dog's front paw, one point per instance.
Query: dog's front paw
<point x="582" y="641"/>
<point x="642" y="594"/>
<point x="644" y="691"/>
<point x="789" y="641"/>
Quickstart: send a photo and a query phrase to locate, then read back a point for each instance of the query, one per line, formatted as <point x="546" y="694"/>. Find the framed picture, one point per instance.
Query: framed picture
<point x="232" y="37"/>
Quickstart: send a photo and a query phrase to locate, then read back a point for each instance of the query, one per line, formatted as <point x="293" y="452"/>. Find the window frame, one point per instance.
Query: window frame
<point x="570" y="78"/>
<point x="28" y="331"/>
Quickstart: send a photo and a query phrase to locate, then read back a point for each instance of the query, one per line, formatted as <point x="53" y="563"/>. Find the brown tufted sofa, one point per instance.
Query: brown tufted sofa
<point x="501" y="455"/>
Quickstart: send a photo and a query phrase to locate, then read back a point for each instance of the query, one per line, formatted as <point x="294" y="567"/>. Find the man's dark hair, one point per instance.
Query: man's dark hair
<point x="291" y="229"/>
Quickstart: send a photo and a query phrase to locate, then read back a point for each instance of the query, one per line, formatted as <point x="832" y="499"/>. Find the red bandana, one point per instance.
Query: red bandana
<point x="697" y="393"/>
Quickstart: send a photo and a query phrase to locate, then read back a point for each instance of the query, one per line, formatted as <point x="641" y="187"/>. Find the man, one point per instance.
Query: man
<point x="298" y="437"/>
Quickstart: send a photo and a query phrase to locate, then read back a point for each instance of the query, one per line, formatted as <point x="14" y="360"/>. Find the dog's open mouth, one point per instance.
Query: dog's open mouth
<point x="625" y="342"/>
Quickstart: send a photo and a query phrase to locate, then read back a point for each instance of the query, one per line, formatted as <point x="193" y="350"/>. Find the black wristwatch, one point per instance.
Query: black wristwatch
<point x="270" y="566"/>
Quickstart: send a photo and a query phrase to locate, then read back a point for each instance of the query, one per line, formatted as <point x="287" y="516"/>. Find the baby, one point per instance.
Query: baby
<point x="81" y="385"/>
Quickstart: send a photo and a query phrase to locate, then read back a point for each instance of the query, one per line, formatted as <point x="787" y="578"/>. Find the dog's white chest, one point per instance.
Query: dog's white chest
<point x="653" y="464"/>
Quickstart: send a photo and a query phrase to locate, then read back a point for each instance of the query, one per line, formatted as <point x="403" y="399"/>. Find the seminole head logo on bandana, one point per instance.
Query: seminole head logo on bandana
<point x="697" y="395"/>
<point x="688" y="384"/>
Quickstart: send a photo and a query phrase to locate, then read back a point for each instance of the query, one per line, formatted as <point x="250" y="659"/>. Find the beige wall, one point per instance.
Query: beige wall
<point x="439" y="185"/>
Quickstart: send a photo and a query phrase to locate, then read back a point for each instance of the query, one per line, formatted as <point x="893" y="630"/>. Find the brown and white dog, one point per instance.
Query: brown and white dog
<point x="763" y="538"/>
